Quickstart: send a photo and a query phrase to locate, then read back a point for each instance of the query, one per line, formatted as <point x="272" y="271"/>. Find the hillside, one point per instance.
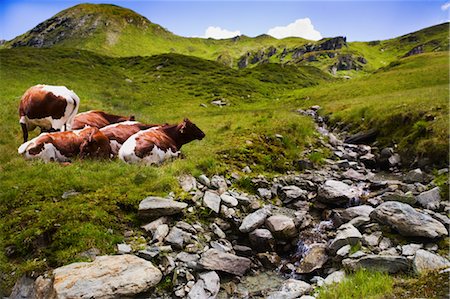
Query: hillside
<point x="112" y="30"/>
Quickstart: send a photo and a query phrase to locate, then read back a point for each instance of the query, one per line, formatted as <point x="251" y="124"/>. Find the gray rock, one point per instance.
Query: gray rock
<point x="187" y="257"/>
<point x="213" y="259"/>
<point x="390" y="251"/>
<point x="264" y="193"/>
<point x="153" y="207"/>
<point x="359" y="221"/>
<point x="261" y="240"/>
<point x="394" y="160"/>
<point x="123" y="248"/>
<point x="23" y="288"/>
<point x="217" y="231"/>
<point x="414" y="176"/>
<point x="106" y="277"/>
<point x="372" y="240"/>
<point x="203" y="179"/>
<point x="187" y="183"/>
<point x="178" y="237"/>
<point x="386" y="263"/>
<point x="291" y="289"/>
<point x="229" y="200"/>
<point x="212" y="200"/>
<point x="410" y="249"/>
<point x="218" y="182"/>
<point x="385" y="243"/>
<point x="358" y="211"/>
<point x="255" y="219"/>
<point x="407" y="221"/>
<point x="335" y="277"/>
<point x="152" y="226"/>
<point x="344" y="251"/>
<point x="399" y="196"/>
<point x="368" y="160"/>
<point x="160" y="233"/>
<point x="292" y="193"/>
<point x="426" y="261"/>
<point x="346" y="234"/>
<point x="281" y="226"/>
<point x="206" y="287"/>
<point x="149" y="253"/>
<point x="313" y="259"/>
<point x="353" y="175"/>
<point x="334" y="192"/>
<point x="430" y="199"/>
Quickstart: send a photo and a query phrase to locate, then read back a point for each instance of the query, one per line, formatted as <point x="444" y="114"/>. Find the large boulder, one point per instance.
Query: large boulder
<point x="255" y="219"/>
<point x="347" y="234"/>
<point x="407" y="221"/>
<point x="106" y="277"/>
<point x="426" y="261"/>
<point x="385" y="263"/>
<point x="334" y="192"/>
<point x="313" y="259"/>
<point x="430" y="199"/>
<point x="214" y="259"/>
<point x="281" y="226"/>
<point x="153" y="207"/>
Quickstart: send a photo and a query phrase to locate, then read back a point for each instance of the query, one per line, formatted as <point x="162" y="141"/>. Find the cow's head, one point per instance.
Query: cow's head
<point x="190" y="131"/>
<point x="95" y="144"/>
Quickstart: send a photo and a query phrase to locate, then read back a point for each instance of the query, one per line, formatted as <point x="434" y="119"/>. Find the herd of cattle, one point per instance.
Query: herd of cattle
<point x="66" y="134"/>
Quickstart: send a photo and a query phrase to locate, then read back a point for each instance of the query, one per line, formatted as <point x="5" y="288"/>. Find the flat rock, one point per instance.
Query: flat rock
<point x="229" y="200"/>
<point x="346" y="234"/>
<point x="407" y="221"/>
<point x="106" y="277"/>
<point x="426" y="261"/>
<point x="334" y="192"/>
<point x="214" y="259"/>
<point x="410" y="249"/>
<point x="206" y="287"/>
<point x="255" y="219"/>
<point x="291" y="289"/>
<point x="313" y="259"/>
<point x="358" y="211"/>
<point x="385" y="263"/>
<point x="353" y="175"/>
<point x="407" y="197"/>
<point x="187" y="182"/>
<point x="430" y="199"/>
<point x="292" y="193"/>
<point x="281" y="226"/>
<point x="152" y="207"/>
<point x="212" y="200"/>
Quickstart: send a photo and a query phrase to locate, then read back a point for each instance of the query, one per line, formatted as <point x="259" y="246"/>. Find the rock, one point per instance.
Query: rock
<point x="410" y="249"/>
<point x="399" y="196"/>
<point x="394" y="160"/>
<point x="123" y="248"/>
<point x="414" y="176"/>
<point x="358" y="211"/>
<point x="313" y="259"/>
<point x="334" y="141"/>
<point x="281" y="226"/>
<point x="203" y="179"/>
<point x="291" y="289"/>
<point x="385" y="243"/>
<point x="218" y="182"/>
<point x="178" y="237"/>
<point x="152" y="226"/>
<point x="149" y="253"/>
<point x="255" y="219"/>
<point x="407" y="221"/>
<point x="106" y="277"/>
<point x="152" y="207"/>
<point x="213" y="259"/>
<point x="23" y="288"/>
<point x="372" y="240"/>
<point x="206" y="287"/>
<point x="264" y="193"/>
<point x="292" y="193"/>
<point x="353" y="175"/>
<point x="187" y="183"/>
<point x="246" y="169"/>
<point x="212" y="200"/>
<point x="160" y="233"/>
<point x="364" y="137"/>
<point x="346" y="234"/>
<point x="269" y="260"/>
<point x="426" y="261"/>
<point x="335" y="277"/>
<point x="385" y="263"/>
<point x="334" y="192"/>
<point x="229" y="200"/>
<point x="368" y="160"/>
<point x="261" y="240"/>
<point x="344" y="251"/>
<point x="186" y="227"/>
<point x="430" y="199"/>
<point x="217" y="231"/>
<point x="242" y="250"/>
<point x="359" y="221"/>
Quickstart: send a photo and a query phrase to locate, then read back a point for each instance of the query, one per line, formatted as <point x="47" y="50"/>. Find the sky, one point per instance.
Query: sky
<point x="357" y="20"/>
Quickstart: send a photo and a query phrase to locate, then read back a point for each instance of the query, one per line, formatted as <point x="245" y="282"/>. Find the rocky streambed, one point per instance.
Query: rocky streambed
<point x="293" y="233"/>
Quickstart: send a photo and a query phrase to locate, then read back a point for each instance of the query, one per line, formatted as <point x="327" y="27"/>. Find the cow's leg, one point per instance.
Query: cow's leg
<point x="24" y="132"/>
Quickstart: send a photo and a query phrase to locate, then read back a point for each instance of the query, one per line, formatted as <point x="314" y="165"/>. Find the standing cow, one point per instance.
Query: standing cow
<point x="155" y="145"/>
<point x="98" y="119"/>
<point x="120" y="132"/>
<point x="61" y="146"/>
<point x="52" y="108"/>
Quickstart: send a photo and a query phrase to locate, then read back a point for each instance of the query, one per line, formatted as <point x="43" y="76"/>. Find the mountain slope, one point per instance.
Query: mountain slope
<point x="116" y="31"/>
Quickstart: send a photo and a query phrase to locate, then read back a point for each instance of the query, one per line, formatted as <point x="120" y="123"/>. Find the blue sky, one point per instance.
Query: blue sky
<point x="358" y="20"/>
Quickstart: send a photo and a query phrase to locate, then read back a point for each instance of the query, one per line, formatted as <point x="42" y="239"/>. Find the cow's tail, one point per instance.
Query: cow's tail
<point x="23" y="148"/>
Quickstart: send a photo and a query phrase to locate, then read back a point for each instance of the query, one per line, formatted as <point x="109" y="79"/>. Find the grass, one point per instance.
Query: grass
<point x="360" y="284"/>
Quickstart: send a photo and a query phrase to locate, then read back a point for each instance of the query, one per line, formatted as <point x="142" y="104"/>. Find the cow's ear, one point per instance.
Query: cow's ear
<point x="132" y="118"/>
<point x="183" y="126"/>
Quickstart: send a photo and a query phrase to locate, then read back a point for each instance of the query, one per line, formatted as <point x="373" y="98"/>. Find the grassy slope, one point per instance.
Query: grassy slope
<point x="47" y="230"/>
<point x="407" y="101"/>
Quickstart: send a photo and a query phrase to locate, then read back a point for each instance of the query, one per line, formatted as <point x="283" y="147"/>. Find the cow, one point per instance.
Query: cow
<point x="61" y="146"/>
<point x="120" y="132"/>
<point x="98" y="119"/>
<point x="157" y="144"/>
<point x="52" y="108"/>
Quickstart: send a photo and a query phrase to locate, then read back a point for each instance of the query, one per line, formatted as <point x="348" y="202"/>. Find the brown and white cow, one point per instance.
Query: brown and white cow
<point x="61" y="146"/>
<point x="120" y="132"/>
<point x="98" y="119"/>
<point x="155" y="145"/>
<point x="52" y="108"/>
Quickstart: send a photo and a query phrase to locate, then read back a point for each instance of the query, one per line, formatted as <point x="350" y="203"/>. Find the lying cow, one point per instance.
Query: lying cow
<point x="98" y="119"/>
<point x="52" y="108"/>
<point x="61" y="146"/>
<point x="155" y="145"/>
<point x="120" y="132"/>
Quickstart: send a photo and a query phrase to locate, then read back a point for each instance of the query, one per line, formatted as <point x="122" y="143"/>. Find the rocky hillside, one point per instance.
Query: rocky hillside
<point x="113" y="30"/>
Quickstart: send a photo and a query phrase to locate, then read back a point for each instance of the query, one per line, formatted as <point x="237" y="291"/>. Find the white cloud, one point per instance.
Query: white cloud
<point x="300" y="28"/>
<point x="219" y="33"/>
<point x="445" y="6"/>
